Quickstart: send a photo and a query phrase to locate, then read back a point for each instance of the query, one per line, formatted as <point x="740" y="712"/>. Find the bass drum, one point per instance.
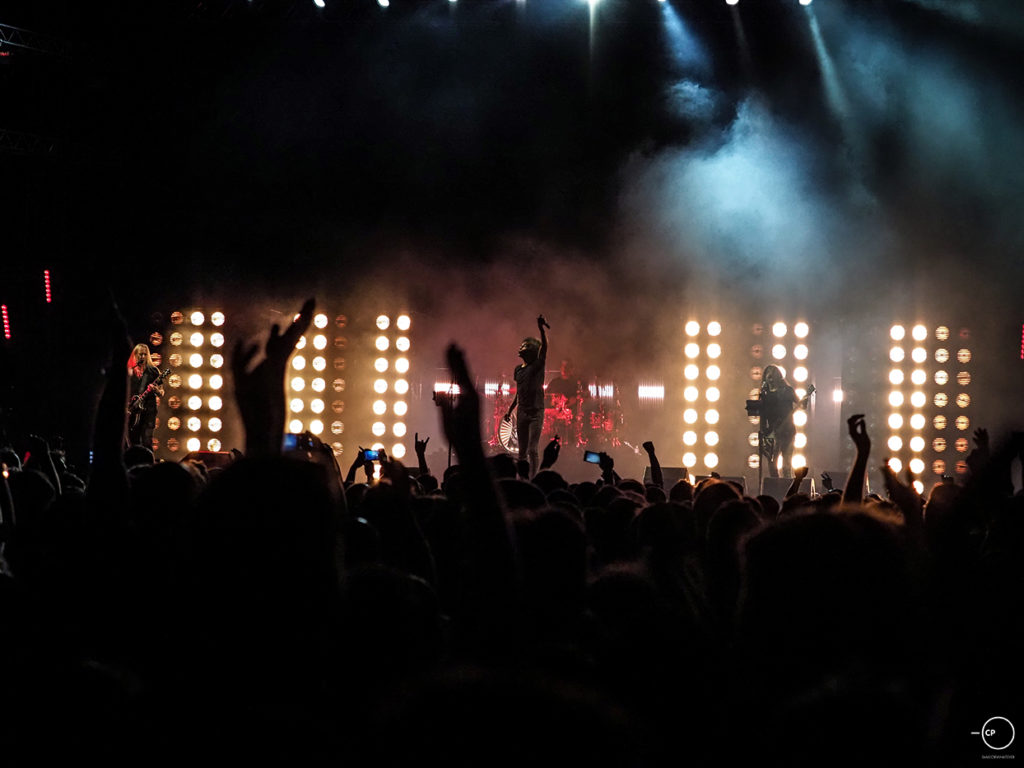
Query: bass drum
<point x="508" y="434"/>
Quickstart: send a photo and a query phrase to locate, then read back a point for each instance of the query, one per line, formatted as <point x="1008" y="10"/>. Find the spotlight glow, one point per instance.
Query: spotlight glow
<point x="691" y="372"/>
<point x="692" y="328"/>
<point x="320" y="320"/>
<point x="404" y="322"/>
<point x="714" y="328"/>
<point x="197" y="318"/>
<point x="779" y="330"/>
<point x="691" y="350"/>
<point x="195" y="381"/>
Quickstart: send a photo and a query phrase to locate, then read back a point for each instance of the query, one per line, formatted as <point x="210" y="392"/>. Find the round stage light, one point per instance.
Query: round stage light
<point x="801" y="329"/>
<point x="320" y="320"/>
<point x="714" y="350"/>
<point x="299" y="363"/>
<point x="917" y="421"/>
<point x="895" y="399"/>
<point x="217" y="318"/>
<point x="197" y="318"/>
<point x="710" y="460"/>
<point x="216" y="381"/>
<point x="295" y="426"/>
<point x="691" y="350"/>
<point x="401" y="408"/>
<point x="193" y="424"/>
<point x="195" y="381"/>
<point x="918" y="399"/>
<point x="800" y="440"/>
<point x="711" y="416"/>
<point x="383" y="321"/>
<point x="691" y="372"/>
<point x="298" y="383"/>
<point x="195" y="403"/>
<point x="404" y="322"/>
<point x="800" y="418"/>
<point x="195" y="360"/>
<point x="216" y="361"/>
<point x="917" y="443"/>
<point x="316" y="427"/>
<point x="398" y="450"/>
<point x="215" y="403"/>
<point x="689" y="459"/>
<point x="316" y="405"/>
<point x="918" y="377"/>
<point x="896" y="377"/>
<point x="296" y="405"/>
<point x="320" y="341"/>
<point x="380" y="386"/>
<point x="713" y="394"/>
<point x="692" y="328"/>
<point x="714" y="328"/>
<point x="895" y="421"/>
<point x="319" y="364"/>
<point x="690" y="416"/>
<point x="920" y="333"/>
<point x="217" y="339"/>
<point x="401" y="386"/>
<point x="319" y="385"/>
<point x="193" y="444"/>
<point x="398" y="429"/>
<point x="380" y="407"/>
<point x="402" y="343"/>
<point x="779" y="330"/>
<point x="779" y="351"/>
<point x="196" y="339"/>
<point x="895" y="465"/>
<point x="378" y="428"/>
<point x="711" y="437"/>
<point x="690" y="394"/>
<point x="713" y="372"/>
<point x="689" y="437"/>
<point x="896" y="354"/>
<point x="402" y="365"/>
<point x="214" y="424"/>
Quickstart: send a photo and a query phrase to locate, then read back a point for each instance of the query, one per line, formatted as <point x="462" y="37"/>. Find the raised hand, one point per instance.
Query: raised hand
<point x="826" y="481"/>
<point x="904" y="494"/>
<point x="460" y="416"/>
<point x="857" y="429"/>
<point x="420" y="445"/>
<point x="260" y="391"/>
<point x="551" y="451"/>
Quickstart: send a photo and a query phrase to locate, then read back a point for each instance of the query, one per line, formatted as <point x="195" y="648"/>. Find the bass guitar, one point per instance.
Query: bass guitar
<point x="137" y="403"/>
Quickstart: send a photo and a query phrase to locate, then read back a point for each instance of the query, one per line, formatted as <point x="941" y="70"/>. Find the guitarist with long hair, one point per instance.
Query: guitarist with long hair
<point x="144" y="384"/>
<point x="778" y="401"/>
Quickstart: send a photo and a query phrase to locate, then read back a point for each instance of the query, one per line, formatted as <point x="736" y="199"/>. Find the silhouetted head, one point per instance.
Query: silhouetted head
<point x="529" y="349"/>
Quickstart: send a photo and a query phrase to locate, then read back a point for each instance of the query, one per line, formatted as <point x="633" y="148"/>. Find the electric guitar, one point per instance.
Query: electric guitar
<point x="137" y="403"/>
<point x="768" y="430"/>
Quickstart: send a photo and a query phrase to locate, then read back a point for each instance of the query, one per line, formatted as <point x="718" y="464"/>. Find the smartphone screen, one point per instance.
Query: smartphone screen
<point x="369" y="455"/>
<point x="291" y="441"/>
<point x="592" y="457"/>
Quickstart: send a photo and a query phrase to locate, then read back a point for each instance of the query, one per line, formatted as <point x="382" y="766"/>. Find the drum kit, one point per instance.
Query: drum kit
<point x="577" y="422"/>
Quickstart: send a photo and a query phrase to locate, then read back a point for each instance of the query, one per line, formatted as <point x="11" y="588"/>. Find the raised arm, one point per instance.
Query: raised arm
<point x="541" y="325"/>
<point x="853" y="493"/>
<point x="656" y="476"/>
<point x="421" y="453"/>
<point x="260" y="391"/>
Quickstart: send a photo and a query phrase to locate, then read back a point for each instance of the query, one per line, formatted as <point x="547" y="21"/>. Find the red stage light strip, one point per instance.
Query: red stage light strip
<point x="7" y="322"/>
<point x="1022" y="342"/>
<point x="46" y="285"/>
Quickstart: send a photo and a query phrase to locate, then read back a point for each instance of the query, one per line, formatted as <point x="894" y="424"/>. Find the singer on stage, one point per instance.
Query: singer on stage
<point x="778" y="401"/>
<point x="142" y="373"/>
<point x="529" y="398"/>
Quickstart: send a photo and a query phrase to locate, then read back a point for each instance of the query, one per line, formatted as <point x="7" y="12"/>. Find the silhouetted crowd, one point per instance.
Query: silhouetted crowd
<point x="279" y="610"/>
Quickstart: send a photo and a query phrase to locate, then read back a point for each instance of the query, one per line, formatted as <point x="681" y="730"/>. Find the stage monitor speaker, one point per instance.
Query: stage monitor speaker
<point x="776" y="487"/>
<point x="671" y="476"/>
<point x="733" y="478"/>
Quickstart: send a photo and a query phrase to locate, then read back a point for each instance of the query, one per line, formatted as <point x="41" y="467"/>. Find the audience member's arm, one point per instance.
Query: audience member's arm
<point x="656" y="476"/>
<point x="108" y="478"/>
<point x="798" y="477"/>
<point x="421" y="453"/>
<point x="608" y="475"/>
<point x="39" y="459"/>
<point x="551" y="451"/>
<point x="905" y="497"/>
<point x="495" y="573"/>
<point x="6" y="506"/>
<point x="359" y="461"/>
<point x="260" y="391"/>
<point x="853" y="493"/>
<point x="541" y="325"/>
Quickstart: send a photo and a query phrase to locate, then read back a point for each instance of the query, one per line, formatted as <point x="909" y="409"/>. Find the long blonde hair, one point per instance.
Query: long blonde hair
<point x="140" y="353"/>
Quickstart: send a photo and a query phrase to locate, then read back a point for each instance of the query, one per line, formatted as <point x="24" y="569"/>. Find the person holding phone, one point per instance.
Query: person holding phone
<point x="528" y="402"/>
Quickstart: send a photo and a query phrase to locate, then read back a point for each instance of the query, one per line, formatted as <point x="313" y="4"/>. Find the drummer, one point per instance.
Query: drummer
<point x="566" y="385"/>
